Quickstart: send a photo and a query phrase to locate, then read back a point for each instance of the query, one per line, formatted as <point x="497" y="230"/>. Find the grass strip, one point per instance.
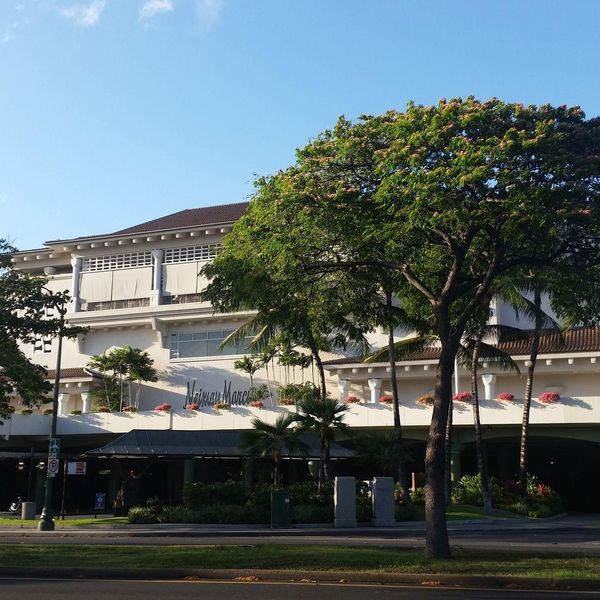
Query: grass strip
<point x="269" y="556"/>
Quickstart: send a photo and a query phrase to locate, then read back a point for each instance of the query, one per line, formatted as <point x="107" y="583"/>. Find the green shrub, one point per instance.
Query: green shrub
<point x="141" y="515"/>
<point x="468" y="490"/>
<point x="196" y="495"/>
<point x="406" y="511"/>
<point x="418" y="496"/>
<point x="312" y="513"/>
<point x="364" y="510"/>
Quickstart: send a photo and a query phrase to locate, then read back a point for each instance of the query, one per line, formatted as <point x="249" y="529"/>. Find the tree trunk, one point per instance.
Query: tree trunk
<point x="276" y="468"/>
<point x="402" y="475"/>
<point x="321" y="369"/>
<point x="535" y="345"/>
<point x="448" y="454"/>
<point x="479" y="449"/>
<point x="321" y="465"/>
<point x="436" y="537"/>
<point x="327" y="463"/>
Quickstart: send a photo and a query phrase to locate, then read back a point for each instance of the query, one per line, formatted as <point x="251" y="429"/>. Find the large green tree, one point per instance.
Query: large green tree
<point x="28" y="312"/>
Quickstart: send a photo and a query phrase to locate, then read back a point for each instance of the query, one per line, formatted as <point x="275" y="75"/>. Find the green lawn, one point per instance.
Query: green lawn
<point x="468" y="562"/>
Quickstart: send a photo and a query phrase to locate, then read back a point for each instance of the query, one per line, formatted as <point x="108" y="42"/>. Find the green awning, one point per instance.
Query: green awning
<point x="187" y="444"/>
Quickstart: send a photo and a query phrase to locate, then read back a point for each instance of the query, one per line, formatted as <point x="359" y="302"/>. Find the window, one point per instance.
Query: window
<point x="191" y="253"/>
<point x="117" y="261"/>
<point x="206" y="343"/>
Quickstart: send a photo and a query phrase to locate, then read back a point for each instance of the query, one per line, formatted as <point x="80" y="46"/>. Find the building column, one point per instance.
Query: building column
<point x="157" y="261"/>
<point x="63" y="399"/>
<point x="344" y="388"/>
<point x="75" y="276"/>
<point x="375" y="387"/>
<point x="86" y="402"/>
<point x="489" y="384"/>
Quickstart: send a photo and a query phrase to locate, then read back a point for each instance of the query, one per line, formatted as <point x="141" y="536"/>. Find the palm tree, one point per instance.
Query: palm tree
<point x="325" y="417"/>
<point x="516" y="294"/>
<point x="248" y="364"/>
<point x="272" y="440"/>
<point x="381" y="450"/>
<point x="125" y="364"/>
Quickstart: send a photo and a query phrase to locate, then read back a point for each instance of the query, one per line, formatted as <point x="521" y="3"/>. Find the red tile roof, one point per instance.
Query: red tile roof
<point x="189" y="218"/>
<point x="580" y="339"/>
<point x="192" y="217"/>
<point x="72" y="373"/>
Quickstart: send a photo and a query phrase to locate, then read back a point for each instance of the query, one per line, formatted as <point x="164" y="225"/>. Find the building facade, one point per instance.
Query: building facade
<point x="141" y="287"/>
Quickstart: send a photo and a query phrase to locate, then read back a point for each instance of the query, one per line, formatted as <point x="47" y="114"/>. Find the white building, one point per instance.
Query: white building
<point x="140" y="287"/>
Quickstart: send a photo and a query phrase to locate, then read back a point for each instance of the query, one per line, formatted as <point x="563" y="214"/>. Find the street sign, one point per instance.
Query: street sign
<point x="54" y="447"/>
<point x="76" y="467"/>
<point x="52" y="467"/>
<point x="100" y="501"/>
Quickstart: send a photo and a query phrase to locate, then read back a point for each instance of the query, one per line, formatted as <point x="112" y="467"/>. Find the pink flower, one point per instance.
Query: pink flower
<point x="386" y="399"/>
<point x="505" y="396"/>
<point x="257" y="404"/>
<point x="192" y="406"/>
<point x="463" y="397"/>
<point x="352" y="400"/>
<point x="164" y="407"/>
<point x="549" y="398"/>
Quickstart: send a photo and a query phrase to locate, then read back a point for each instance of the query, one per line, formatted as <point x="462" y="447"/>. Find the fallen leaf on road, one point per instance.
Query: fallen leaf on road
<point x="431" y="583"/>
<point x="248" y="578"/>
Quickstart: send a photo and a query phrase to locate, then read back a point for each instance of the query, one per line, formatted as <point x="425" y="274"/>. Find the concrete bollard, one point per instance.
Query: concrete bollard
<point x="384" y="508"/>
<point x="344" y="500"/>
<point x="28" y="511"/>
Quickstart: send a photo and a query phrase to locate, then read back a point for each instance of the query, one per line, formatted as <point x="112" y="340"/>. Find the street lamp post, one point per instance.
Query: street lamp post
<point x="46" y="521"/>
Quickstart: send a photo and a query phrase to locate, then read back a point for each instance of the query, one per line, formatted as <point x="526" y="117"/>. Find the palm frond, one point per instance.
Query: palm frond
<point x="405" y="349"/>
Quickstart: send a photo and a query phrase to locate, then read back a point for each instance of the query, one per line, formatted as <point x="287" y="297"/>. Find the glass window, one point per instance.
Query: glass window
<point x="206" y="343"/>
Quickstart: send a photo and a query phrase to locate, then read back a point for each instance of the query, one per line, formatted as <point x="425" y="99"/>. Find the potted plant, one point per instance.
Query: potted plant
<point x="352" y="400"/>
<point x="463" y="397"/>
<point x="104" y="409"/>
<point x="386" y="399"/>
<point x="505" y="397"/>
<point x="192" y="406"/>
<point x="76" y="412"/>
<point x="549" y="398"/>
<point x="223" y="406"/>
<point x="257" y="403"/>
<point x="164" y="407"/>
<point x="287" y="401"/>
<point x="26" y="411"/>
<point x="426" y="400"/>
<point x="130" y="409"/>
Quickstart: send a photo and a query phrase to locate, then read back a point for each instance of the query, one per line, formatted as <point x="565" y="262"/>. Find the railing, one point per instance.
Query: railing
<point x="113" y="304"/>
<point x="182" y="299"/>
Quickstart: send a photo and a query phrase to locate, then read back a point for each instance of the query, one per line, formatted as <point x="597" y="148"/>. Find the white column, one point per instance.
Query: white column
<point x="375" y="386"/>
<point x="76" y="272"/>
<point x="344" y="388"/>
<point x="157" y="260"/>
<point x="489" y="383"/>
<point x="63" y="399"/>
<point x="85" y="402"/>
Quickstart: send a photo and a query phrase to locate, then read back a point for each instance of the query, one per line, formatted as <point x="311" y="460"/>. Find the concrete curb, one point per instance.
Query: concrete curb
<point x="284" y="576"/>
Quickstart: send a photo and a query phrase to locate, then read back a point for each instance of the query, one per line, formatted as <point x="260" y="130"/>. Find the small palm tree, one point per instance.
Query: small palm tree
<point x="325" y="417"/>
<point x="272" y="440"/>
<point x="382" y="451"/>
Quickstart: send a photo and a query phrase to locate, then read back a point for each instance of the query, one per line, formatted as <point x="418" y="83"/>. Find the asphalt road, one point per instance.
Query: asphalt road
<point x="52" y="589"/>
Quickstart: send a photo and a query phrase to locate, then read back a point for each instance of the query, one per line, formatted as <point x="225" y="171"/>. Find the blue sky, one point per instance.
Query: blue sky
<point x="114" y="112"/>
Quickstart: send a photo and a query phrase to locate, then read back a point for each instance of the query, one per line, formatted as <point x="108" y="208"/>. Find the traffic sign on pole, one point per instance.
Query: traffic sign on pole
<point x="52" y="467"/>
